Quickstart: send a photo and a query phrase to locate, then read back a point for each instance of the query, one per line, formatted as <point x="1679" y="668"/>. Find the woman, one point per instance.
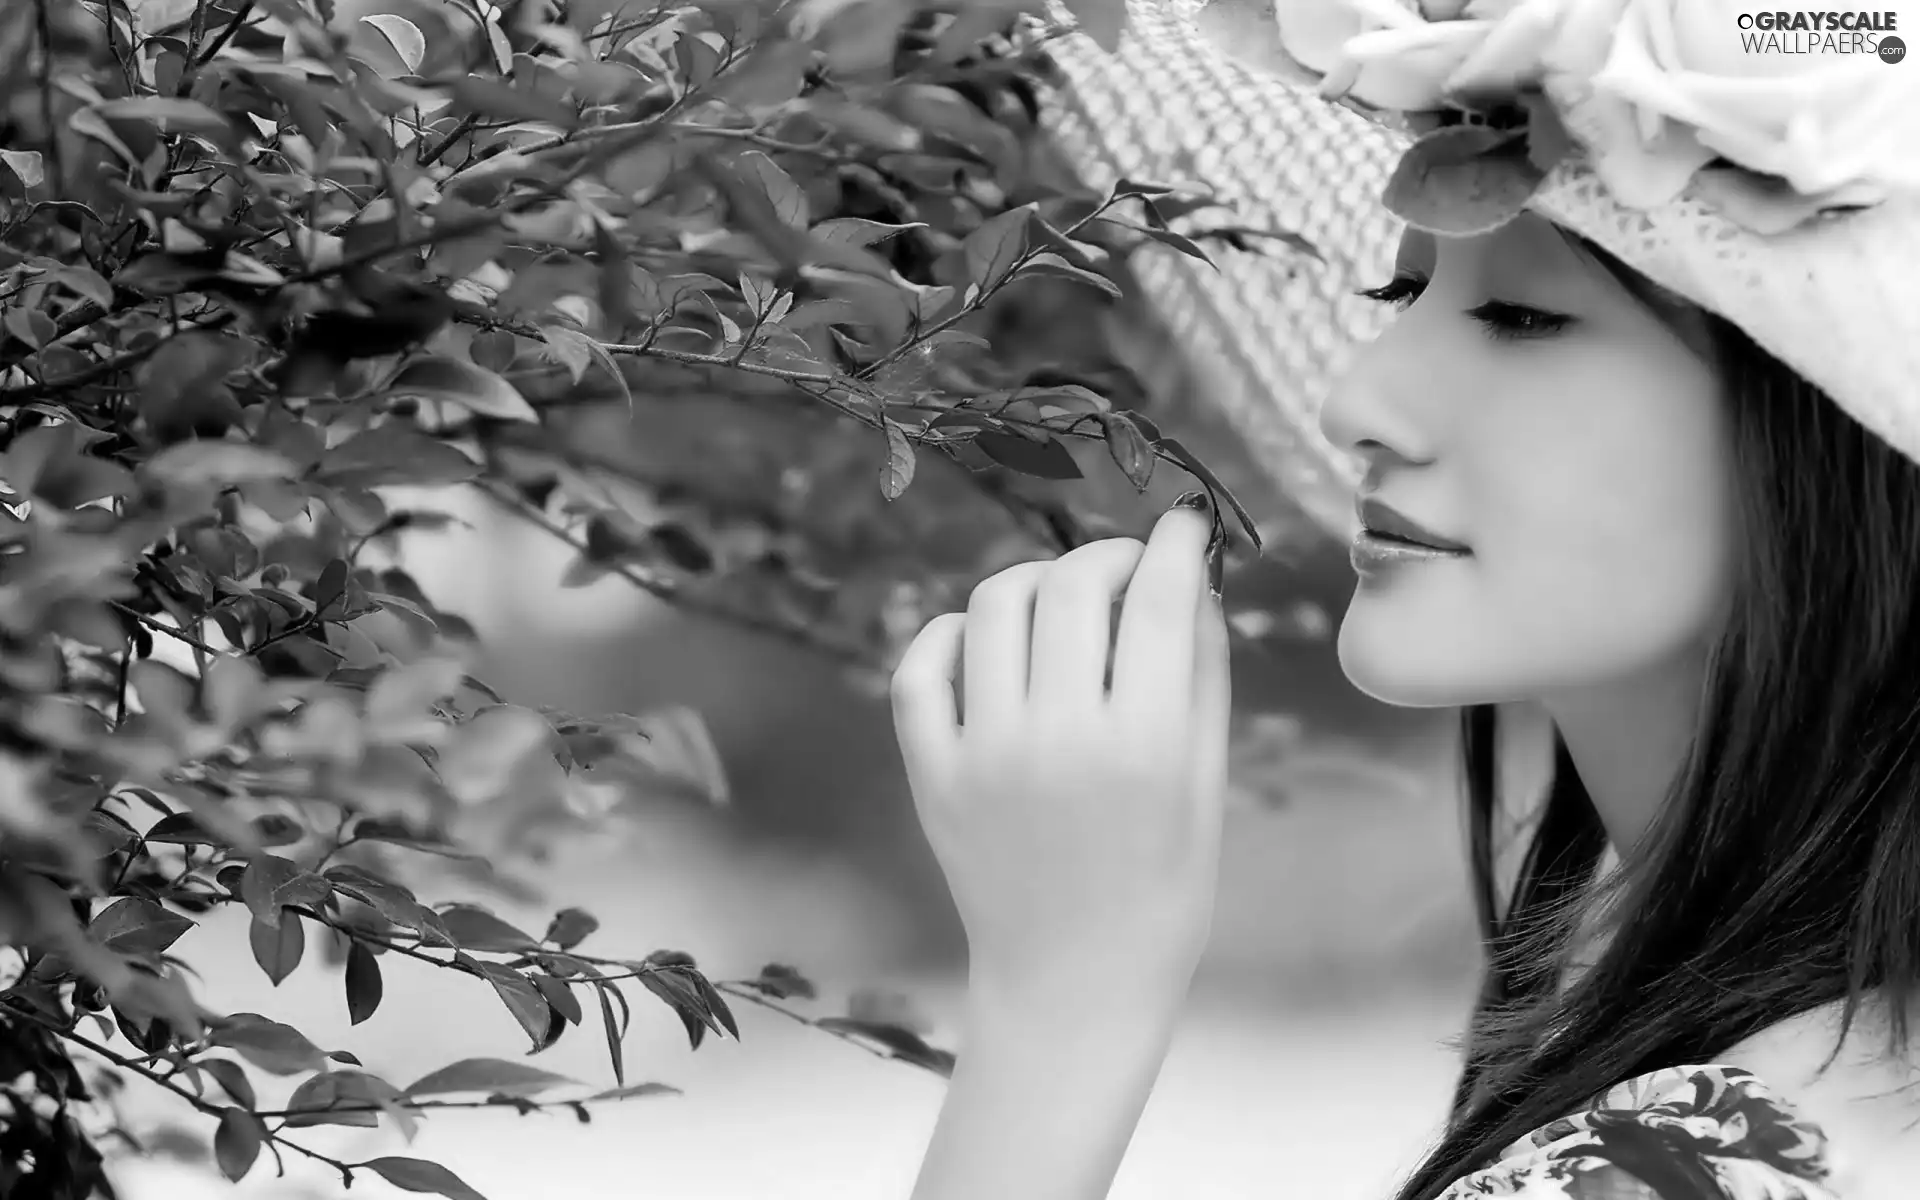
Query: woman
<point x="1602" y="496"/>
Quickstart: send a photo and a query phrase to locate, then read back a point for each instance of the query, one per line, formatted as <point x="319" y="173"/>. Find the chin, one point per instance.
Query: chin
<point x="1411" y="664"/>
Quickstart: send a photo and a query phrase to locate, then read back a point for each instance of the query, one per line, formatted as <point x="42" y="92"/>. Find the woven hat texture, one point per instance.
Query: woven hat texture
<point x="1270" y="332"/>
<point x="1837" y="299"/>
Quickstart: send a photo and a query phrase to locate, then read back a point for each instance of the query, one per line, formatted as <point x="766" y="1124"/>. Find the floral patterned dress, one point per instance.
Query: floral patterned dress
<point x="1684" y="1133"/>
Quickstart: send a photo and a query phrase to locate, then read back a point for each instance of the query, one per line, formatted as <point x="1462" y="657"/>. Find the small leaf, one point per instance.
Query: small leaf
<point x="395" y="835"/>
<point x="522" y="999"/>
<point x="487" y="752"/>
<point x="232" y="1077"/>
<point x="560" y="995"/>
<point x="897" y="472"/>
<point x="614" y="1032"/>
<point x="389" y="899"/>
<point x="1180" y="242"/>
<point x="364" y="987"/>
<point x="789" y="201"/>
<point x="419" y="1175"/>
<point x="1053" y="264"/>
<point x="333" y="1098"/>
<point x="687" y="1001"/>
<point x="491" y="1075"/>
<point x="26" y="165"/>
<point x="278" y="947"/>
<point x="1138" y="187"/>
<point x="992" y="249"/>
<point x="570" y="927"/>
<point x="493" y="98"/>
<point x="236" y="1144"/>
<point x="637" y="1090"/>
<point x="404" y="36"/>
<point x="1463" y="180"/>
<point x="135" y="926"/>
<point x="275" y="829"/>
<point x="783" y="982"/>
<point x="576" y="351"/>
<point x="271" y="882"/>
<point x="170" y="113"/>
<point x="1205" y="474"/>
<point x="394" y="454"/>
<point x="1131" y="451"/>
<point x="273" y="1047"/>
<point x="857" y="231"/>
<point x="436" y="377"/>
<point x="216" y="463"/>
<point x="477" y="929"/>
<point x="1044" y="460"/>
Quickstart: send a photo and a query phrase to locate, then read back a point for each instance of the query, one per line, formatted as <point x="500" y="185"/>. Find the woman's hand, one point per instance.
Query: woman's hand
<point x="1078" y="826"/>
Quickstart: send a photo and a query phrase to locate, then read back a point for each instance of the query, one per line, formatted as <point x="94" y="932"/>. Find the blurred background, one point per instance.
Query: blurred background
<point x="1315" y="1048"/>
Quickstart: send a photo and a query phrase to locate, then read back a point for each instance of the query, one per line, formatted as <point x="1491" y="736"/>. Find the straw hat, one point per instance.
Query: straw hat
<point x="1770" y="175"/>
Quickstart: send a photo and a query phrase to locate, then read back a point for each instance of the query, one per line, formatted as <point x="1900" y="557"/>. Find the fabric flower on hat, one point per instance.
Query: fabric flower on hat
<point x="1679" y="89"/>
<point x="1385" y="55"/>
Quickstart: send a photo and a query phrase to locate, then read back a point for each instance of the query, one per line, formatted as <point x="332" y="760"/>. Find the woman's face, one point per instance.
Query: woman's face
<point x="1529" y="408"/>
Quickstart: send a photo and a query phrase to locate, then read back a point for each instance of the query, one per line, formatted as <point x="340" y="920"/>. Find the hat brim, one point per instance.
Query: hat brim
<point x="1838" y="299"/>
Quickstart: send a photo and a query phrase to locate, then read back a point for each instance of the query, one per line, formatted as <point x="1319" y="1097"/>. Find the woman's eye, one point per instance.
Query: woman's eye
<point x="1504" y="321"/>
<point x="1500" y="319"/>
<point x="1400" y="291"/>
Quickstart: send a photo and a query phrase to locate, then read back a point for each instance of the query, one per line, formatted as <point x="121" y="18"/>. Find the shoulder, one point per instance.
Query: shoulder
<point x="1712" y="1132"/>
<point x="1866" y="1101"/>
<point x="1773" y="1121"/>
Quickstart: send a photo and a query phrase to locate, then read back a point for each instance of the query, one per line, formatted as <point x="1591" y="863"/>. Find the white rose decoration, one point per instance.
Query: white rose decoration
<point x="1679" y="87"/>
<point x="1391" y="55"/>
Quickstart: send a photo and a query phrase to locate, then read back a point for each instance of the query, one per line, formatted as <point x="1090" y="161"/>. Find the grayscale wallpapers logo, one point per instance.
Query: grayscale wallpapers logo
<point x="1823" y="33"/>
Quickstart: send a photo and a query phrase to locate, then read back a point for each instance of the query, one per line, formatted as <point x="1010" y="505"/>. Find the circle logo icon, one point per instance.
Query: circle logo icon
<point x="1892" y="49"/>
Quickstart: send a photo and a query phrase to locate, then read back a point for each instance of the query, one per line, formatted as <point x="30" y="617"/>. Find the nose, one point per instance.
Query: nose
<point x="1371" y="411"/>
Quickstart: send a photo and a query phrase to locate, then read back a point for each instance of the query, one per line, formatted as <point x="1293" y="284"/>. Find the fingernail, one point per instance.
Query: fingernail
<point x="1199" y="502"/>
<point x="1216" y="568"/>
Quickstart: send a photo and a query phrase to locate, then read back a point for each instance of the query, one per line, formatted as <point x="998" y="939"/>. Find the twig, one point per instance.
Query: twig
<point x="665" y="590"/>
<point x="751" y="996"/>
<point x="226" y="35"/>
<point x="424" y="1105"/>
<point x="100" y="370"/>
<point x="438" y="149"/>
<point x="178" y="635"/>
<point x="155" y="1078"/>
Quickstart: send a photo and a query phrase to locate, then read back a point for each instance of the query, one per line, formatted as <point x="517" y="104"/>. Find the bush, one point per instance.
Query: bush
<point x="278" y="273"/>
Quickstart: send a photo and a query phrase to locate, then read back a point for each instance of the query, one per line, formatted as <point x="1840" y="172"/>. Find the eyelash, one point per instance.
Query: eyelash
<point x="1501" y="321"/>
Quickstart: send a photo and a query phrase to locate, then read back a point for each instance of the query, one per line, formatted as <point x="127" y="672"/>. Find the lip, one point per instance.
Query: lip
<point x="1388" y="538"/>
<point x="1382" y="522"/>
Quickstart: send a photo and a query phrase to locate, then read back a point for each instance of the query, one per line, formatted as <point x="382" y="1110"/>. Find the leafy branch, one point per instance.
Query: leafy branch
<point x="273" y="281"/>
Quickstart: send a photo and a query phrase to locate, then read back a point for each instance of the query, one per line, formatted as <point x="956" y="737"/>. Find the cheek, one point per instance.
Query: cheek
<point x="1604" y="537"/>
<point x="1610" y="544"/>
<point x="1630" y="558"/>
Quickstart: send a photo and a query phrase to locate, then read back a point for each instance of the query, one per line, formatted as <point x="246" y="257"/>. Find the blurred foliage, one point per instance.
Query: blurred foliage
<point x="274" y="271"/>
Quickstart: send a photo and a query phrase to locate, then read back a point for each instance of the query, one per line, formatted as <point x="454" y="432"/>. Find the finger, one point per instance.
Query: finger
<point x="1153" y="654"/>
<point x="996" y="645"/>
<point x="925" y="716"/>
<point x="1212" y="709"/>
<point x="1073" y="621"/>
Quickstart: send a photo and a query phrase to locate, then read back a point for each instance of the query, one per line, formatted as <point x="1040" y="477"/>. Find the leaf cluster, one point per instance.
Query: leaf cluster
<point x="271" y="272"/>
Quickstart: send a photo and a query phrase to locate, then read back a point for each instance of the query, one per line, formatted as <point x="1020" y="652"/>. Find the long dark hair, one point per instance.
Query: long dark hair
<point x="1783" y="872"/>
